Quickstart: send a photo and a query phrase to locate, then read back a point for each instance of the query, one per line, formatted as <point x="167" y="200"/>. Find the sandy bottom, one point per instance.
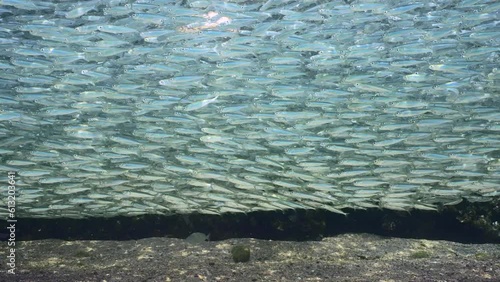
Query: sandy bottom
<point x="348" y="257"/>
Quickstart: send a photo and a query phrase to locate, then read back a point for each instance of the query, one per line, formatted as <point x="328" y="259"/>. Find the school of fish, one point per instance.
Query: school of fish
<point x="122" y="107"/>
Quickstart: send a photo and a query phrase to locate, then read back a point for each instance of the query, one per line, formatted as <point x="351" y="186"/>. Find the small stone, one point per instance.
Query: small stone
<point x="240" y="253"/>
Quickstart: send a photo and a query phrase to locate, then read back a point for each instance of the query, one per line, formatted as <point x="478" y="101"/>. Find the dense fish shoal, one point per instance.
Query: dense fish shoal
<point x="159" y="107"/>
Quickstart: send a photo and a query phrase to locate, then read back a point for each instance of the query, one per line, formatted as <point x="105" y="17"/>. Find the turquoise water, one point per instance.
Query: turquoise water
<point x="140" y="107"/>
